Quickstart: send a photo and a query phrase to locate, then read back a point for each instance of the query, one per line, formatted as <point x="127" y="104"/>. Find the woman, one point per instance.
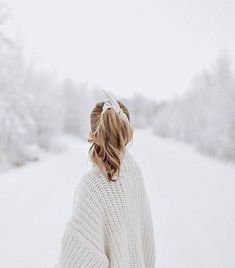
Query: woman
<point x="111" y="224"/>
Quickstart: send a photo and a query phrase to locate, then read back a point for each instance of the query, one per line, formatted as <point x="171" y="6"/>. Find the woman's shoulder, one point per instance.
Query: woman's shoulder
<point x="131" y="161"/>
<point x="83" y="192"/>
<point x="89" y="184"/>
<point x="95" y="180"/>
<point x="88" y="179"/>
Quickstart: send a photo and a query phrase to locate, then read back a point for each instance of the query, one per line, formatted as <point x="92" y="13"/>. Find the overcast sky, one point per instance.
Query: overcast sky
<point x="146" y="46"/>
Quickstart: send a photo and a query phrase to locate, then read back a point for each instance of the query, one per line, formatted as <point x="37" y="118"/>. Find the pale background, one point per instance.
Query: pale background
<point x="152" y="47"/>
<point x="172" y="64"/>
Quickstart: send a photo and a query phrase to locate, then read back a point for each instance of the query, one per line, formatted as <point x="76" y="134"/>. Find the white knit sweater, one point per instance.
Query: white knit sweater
<point x="111" y="223"/>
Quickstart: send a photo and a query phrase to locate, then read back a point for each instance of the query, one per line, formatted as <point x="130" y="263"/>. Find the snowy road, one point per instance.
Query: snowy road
<point x="192" y="200"/>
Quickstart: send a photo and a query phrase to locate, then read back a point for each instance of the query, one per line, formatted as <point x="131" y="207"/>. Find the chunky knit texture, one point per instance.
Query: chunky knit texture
<point x="111" y="223"/>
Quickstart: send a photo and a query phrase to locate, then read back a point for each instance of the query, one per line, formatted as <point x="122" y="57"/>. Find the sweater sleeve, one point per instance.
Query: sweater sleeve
<point x="82" y="244"/>
<point x="149" y="246"/>
<point x="148" y="236"/>
<point x="147" y="229"/>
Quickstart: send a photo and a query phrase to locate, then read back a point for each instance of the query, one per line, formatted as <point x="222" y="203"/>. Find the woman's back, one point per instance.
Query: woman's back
<point x="130" y="219"/>
<point x="111" y="222"/>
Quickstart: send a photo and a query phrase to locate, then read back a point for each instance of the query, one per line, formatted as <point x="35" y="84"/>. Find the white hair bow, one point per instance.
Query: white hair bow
<point x="113" y="104"/>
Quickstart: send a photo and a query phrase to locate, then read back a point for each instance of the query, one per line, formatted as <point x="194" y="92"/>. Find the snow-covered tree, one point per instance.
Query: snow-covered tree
<point x="142" y="110"/>
<point x="205" y="116"/>
<point x="16" y="124"/>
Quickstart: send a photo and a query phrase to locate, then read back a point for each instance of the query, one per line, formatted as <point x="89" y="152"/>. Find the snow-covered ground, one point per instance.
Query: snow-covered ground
<point x="192" y="200"/>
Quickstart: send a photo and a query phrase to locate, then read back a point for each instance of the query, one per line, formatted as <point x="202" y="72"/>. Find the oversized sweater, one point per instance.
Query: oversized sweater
<point x="111" y="223"/>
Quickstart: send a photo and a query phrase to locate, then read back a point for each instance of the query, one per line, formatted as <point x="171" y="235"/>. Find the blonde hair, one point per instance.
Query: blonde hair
<point x="109" y="135"/>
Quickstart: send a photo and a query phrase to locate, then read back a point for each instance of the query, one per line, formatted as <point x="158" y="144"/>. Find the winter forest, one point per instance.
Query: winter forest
<point x="35" y="108"/>
<point x="45" y="119"/>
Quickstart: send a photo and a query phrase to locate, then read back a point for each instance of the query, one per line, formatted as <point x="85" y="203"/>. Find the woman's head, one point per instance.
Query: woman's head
<point x="109" y="135"/>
